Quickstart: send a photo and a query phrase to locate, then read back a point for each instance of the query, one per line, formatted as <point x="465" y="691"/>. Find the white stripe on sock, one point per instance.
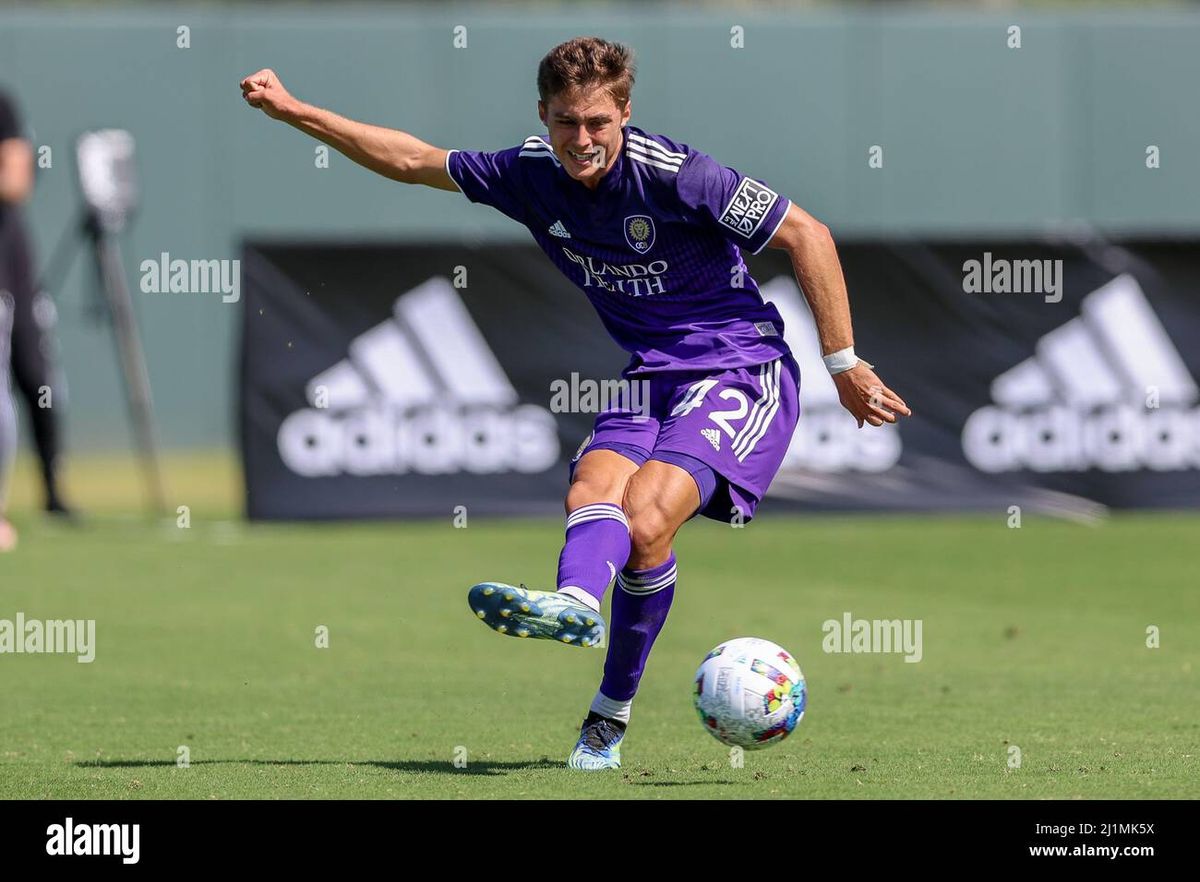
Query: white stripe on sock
<point x="597" y="516"/>
<point x="641" y="588"/>
<point x="594" y="506"/>
<point x="635" y="580"/>
<point x="596" y="512"/>
<point x="642" y="583"/>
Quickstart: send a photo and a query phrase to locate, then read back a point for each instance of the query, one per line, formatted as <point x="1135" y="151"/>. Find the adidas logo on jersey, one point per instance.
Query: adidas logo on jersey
<point x="1107" y="390"/>
<point x="557" y="229"/>
<point x="421" y="392"/>
<point x="714" y="438"/>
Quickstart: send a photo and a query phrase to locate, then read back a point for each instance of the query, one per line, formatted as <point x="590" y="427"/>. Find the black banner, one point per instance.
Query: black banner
<point x="382" y="381"/>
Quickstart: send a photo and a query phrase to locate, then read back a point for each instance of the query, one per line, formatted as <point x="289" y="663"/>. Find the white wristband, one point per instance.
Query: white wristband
<point x="842" y="360"/>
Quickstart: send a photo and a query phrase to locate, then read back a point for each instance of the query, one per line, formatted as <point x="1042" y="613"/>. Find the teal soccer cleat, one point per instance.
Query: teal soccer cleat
<point x="599" y="745"/>
<point x="545" y="615"/>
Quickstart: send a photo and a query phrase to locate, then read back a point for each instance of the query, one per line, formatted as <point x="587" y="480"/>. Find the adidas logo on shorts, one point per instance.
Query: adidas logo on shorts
<point x="714" y="438"/>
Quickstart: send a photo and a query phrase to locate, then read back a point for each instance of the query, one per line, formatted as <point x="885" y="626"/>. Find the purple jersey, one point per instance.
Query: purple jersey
<point x="655" y="247"/>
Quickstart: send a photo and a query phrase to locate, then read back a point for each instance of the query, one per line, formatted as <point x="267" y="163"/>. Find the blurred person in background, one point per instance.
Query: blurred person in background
<point x="30" y="351"/>
<point x="8" y="421"/>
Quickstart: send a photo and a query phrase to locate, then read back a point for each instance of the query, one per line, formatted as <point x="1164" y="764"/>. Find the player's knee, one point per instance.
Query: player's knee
<point x="650" y="527"/>
<point x="590" y="489"/>
<point x="649" y="538"/>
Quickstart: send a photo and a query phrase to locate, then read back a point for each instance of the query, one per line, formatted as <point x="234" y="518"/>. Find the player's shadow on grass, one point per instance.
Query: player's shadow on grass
<point x="683" y="783"/>
<point x="445" y="767"/>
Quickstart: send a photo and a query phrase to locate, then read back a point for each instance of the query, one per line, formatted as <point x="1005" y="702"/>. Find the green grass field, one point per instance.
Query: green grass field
<point x="1033" y="637"/>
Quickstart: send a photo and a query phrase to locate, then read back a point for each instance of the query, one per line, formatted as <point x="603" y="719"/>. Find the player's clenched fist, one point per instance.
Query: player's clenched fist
<point x="265" y="91"/>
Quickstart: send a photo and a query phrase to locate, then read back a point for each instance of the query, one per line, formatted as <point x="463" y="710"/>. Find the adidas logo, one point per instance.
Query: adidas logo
<point x="420" y="392"/>
<point x="1107" y="390"/>
<point x="714" y="438"/>
<point x="559" y="230"/>
<point x="827" y="438"/>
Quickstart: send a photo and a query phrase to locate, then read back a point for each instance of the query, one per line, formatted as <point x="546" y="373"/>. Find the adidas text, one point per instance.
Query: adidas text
<point x="379" y="440"/>
<point x="1059" y="439"/>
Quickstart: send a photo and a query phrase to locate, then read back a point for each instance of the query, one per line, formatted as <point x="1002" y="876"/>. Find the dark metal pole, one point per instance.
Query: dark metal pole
<point x="133" y="362"/>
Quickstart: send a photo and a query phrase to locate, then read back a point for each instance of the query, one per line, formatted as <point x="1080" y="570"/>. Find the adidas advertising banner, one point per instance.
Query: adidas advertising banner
<point x="385" y="381"/>
<point x="382" y="381"/>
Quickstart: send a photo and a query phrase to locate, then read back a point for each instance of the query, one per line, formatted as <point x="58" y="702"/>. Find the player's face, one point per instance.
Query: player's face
<point x="585" y="131"/>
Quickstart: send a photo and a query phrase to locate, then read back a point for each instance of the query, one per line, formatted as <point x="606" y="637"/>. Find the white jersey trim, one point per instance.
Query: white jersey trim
<point x="633" y="153"/>
<point x="450" y="174"/>
<point x="654" y="147"/>
<point x="767" y="241"/>
<point x="538" y="149"/>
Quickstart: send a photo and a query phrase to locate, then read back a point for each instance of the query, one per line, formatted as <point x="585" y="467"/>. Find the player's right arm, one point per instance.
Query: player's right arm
<point x="388" y="152"/>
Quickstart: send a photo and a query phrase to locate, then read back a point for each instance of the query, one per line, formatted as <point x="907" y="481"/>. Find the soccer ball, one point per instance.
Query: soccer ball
<point x="750" y="693"/>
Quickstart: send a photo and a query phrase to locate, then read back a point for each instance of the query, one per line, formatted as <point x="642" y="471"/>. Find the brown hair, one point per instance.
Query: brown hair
<point x="586" y="62"/>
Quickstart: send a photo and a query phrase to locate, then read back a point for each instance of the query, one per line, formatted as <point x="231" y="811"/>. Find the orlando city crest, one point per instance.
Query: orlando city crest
<point x="639" y="232"/>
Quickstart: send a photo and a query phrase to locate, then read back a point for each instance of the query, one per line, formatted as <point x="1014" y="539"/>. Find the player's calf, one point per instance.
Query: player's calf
<point x="597" y="540"/>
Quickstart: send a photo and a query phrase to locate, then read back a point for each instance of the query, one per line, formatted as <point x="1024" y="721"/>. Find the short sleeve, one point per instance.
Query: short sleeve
<point x="10" y="123"/>
<point x="745" y="211"/>
<point x="490" y="178"/>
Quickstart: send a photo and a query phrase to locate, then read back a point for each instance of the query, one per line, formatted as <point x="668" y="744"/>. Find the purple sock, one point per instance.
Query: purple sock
<point x="639" y="609"/>
<point x="596" y="549"/>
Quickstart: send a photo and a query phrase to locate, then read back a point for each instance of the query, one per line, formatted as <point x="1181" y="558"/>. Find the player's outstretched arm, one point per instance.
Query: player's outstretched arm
<point x="819" y="272"/>
<point x="389" y="152"/>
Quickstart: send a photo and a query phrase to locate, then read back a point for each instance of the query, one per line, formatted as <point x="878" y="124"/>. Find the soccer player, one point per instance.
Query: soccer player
<point x="16" y="181"/>
<point x="8" y="422"/>
<point x="651" y="231"/>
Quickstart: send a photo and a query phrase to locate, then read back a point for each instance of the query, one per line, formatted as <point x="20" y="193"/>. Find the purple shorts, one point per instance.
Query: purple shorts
<point x="729" y="430"/>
